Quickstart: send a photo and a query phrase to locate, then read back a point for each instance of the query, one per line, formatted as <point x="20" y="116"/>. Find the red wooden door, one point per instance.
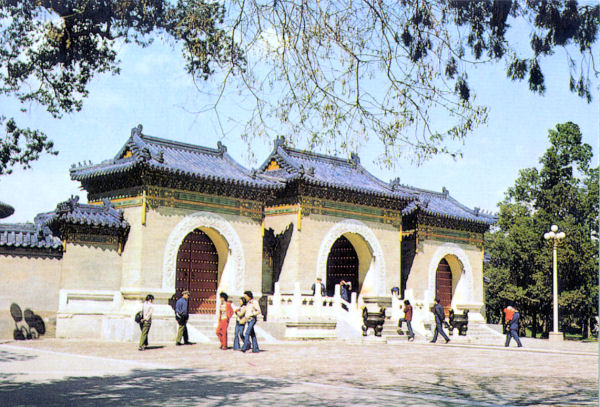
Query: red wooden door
<point x="197" y="271"/>
<point x="443" y="284"/>
<point x="342" y="264"/>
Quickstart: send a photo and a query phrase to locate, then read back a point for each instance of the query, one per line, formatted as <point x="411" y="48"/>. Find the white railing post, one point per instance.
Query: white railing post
<point x="275" y="310"/>
<point x="396" y="305"/>
<point x="296" y="301"/>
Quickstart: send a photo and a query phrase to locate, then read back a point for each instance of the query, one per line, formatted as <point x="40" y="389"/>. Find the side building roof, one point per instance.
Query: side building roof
<point x="43" y="236"/>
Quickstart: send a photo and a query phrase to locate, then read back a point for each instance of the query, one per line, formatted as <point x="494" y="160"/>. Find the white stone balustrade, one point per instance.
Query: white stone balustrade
<point x="300" y="306"/>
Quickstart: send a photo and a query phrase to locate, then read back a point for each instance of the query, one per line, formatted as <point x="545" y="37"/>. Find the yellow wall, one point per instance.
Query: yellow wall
<point x="29" y="282"/>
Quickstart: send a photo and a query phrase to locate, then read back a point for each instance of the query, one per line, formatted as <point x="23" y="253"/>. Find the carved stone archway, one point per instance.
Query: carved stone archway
<point x="358" y="228"/>
<point x="233" y="271"/>
<point x="466" y="285"/>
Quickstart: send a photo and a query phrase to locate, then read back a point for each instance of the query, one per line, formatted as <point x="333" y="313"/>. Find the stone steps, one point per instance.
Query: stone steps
<point x="202" y="328"/>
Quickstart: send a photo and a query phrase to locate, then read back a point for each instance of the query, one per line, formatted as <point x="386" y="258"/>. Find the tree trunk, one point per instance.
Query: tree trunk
<point x="534" y="325"/>
<point x="585" y="328"/>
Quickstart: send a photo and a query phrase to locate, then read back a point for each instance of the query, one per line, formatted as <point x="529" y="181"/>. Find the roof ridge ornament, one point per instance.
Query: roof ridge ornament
<point x="279" y="142"/>
<point x="137" y="131"/>
<point x="476" y="211"/>
<point x="354" y="158"/>
<point x="395" y="183"/>
<point x="222" y="148"/>
<point x="68" y="205"/>
<point x="106" y="205"/>
<point x="445" y="192"/>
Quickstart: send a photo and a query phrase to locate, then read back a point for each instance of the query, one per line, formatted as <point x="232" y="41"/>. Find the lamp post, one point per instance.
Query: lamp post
<point x="556" y="237"/>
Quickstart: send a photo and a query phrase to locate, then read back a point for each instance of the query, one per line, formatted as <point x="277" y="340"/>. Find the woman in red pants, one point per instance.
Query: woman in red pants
<point x="224" y="314"/>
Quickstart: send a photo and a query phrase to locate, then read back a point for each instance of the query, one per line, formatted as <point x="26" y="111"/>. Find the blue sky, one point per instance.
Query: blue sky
<point x="154" y="90"/>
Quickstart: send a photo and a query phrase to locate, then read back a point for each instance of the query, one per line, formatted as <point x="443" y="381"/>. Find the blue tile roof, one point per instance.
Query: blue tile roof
<point x="328" y="171"/>
<point x="28" y="235"/>
<point x="174" y="158"/>
<point x="443" y="205"/>
<point x="181" y="159"/>
<point x="74" y="213"/>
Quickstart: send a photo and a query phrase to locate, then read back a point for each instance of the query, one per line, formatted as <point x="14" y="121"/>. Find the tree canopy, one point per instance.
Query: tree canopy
<point x="325" y="73"/>
<point x="564" y="191"/>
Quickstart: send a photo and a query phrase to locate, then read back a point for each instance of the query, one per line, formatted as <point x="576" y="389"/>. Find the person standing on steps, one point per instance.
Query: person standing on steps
<point x="407" y="318"/>
<point x="252" y="313"/>
<point x="182" y="316"/>
<point x="440" y="316"/>
<point x="318" y="285"/>
<point x="146" y="321"/>
<point x="512" y="330"/>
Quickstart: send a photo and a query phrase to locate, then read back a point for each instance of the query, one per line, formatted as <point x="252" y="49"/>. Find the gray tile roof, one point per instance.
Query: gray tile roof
<point x="443" y="205"/>
<point x="27" y="235"/>
<point x="328" y="171"/>
<point x="44" y="232"/>
<point x="74" y="213"/>
<point x="331" y="171"/>
<point x="174" y="158"/>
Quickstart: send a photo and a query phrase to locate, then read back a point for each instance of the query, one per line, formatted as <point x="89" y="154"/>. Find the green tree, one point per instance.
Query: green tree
<point x="336" y="74"/>
<point x="342" y="74"/>
<point x="51" y="50"/>
<point x="563" y="192"/>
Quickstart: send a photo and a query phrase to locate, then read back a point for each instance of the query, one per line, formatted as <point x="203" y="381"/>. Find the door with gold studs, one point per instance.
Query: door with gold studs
<point x="443" y="285"/>
<point x="197" y="272"/>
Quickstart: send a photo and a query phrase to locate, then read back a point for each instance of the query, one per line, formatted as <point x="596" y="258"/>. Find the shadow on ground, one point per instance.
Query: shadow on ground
<point x="161" y="387"/>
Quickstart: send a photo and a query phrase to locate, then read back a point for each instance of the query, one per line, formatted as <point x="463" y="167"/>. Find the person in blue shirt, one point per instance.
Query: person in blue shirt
<point x="513" y="328"/>
<point x="182" y="316"/>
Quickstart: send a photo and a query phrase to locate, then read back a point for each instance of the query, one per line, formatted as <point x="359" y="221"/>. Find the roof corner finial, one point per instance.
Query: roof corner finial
<point x="301" y="170"/>
<point x="476" y="211"/>
<point x="355" y="158"/>
<point x="445" y="191"/>
<point x="137" y="130"/>
<point x="279" y="142"/>
<point x="253" y="173"/>
<point x="105" y="204"/>
<point x="221" y="147"/>
<point x="395" y="183"/>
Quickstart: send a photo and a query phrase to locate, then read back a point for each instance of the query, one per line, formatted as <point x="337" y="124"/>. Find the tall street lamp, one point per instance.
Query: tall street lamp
<point x="556" y="237"/>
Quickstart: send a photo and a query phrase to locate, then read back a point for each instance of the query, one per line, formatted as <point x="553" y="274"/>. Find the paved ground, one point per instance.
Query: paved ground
<point x="56" y="372"/>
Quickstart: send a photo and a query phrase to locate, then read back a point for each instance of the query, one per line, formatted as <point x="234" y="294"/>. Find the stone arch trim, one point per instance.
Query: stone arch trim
<point x="445" y="250"/>
<point x="359" y="228"/>
<point x="233" y="271"/>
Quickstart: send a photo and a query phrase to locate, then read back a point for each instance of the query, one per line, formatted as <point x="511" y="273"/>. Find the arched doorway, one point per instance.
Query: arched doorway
<point x="342" y="264"/>
<point x="443" y="284"/>
<point x="197" y="271"/>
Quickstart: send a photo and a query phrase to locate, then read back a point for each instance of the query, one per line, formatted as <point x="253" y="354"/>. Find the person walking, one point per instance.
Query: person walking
<point x="240" y="323"/>
<point x="407" y="318"/>
<point x="512" y="330"/>
<point x="224" y="314"/>
<point x="182" y="315"/>
<point x="147" y="309"/>
<point x="508" y="314"/>
<point x="440" y="316"/>
<point x="252" y="313"/>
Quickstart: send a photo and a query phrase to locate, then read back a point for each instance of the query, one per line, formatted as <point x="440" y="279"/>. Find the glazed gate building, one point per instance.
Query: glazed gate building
<point x="165" y="216"/>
